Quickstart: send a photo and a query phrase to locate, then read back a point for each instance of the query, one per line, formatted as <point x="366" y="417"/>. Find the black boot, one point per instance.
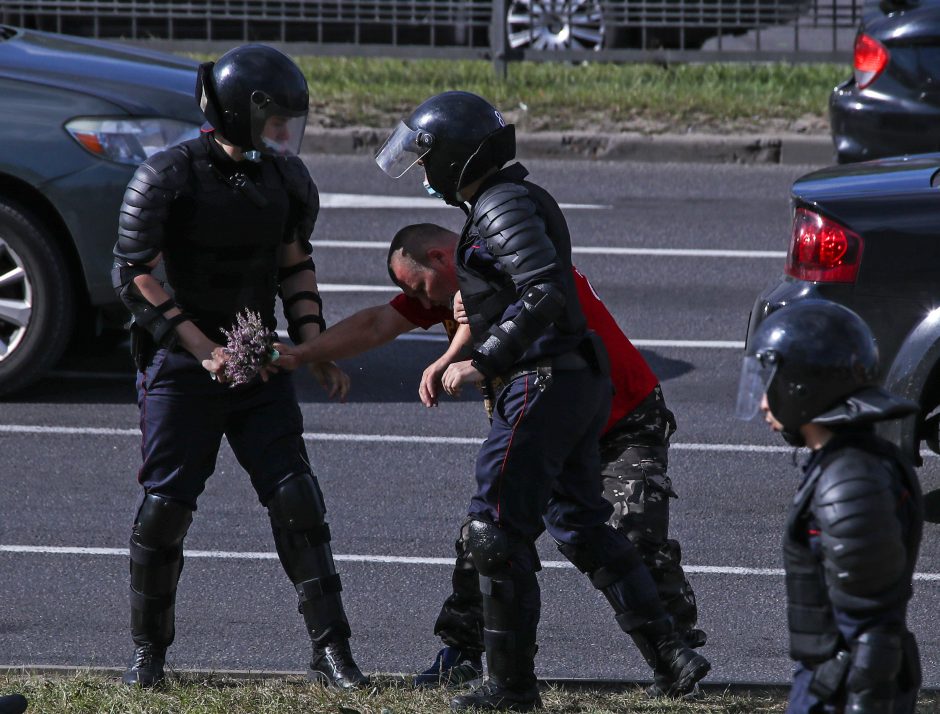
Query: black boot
<point x="676" y="667"/>
<point x="333" y="666"/>
<point x="13" y="704"/>
<point x="512" y="686"/>
<point x="146" y="669"/>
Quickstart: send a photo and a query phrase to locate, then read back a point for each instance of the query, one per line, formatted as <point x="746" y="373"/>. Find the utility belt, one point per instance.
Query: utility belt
<point x="590" y="354"/>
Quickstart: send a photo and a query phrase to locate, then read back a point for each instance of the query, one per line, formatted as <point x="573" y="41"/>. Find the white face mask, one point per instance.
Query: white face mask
<point x="434" y="193"/>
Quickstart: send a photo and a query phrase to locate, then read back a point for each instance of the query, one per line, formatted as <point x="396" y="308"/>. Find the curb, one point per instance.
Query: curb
<point x="782" y="149"/>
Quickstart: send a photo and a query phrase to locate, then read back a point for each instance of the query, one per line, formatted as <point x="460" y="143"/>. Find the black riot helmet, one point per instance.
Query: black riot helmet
<point x="458" y="137"/>
<point x="256" y="98"/>
<point x="817" y="362"/>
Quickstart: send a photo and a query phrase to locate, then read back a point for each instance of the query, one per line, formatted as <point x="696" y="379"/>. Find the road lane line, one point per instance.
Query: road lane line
<point x="385" y="559"/>
<point x="597" y="250"/>
<point x="363" y="200"/>
<point x="366" y="438"/>
<point x="422" y="440"/>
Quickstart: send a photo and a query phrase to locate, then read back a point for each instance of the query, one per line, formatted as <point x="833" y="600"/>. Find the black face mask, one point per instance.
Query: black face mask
<point x="793" y="438"/>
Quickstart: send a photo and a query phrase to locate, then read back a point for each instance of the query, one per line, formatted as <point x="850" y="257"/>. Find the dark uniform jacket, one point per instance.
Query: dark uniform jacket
<point x="850" y="548"/>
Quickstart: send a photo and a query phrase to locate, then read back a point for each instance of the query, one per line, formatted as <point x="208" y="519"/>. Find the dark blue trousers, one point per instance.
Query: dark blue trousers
<point x="539" y="468"/>
<point x="184" y="415"/>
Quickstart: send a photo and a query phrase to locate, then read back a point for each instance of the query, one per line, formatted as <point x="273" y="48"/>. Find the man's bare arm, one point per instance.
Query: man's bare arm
<point x="358" y="333"/>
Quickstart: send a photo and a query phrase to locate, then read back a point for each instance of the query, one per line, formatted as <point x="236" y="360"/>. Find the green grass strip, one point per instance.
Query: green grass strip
<point x="611" y="97"/>
<point x="188" y="694"/>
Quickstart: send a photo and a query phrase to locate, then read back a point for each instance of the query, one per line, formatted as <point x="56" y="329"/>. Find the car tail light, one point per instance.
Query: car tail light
<point x="871" y="57"/>
<point x="822" y="250"/>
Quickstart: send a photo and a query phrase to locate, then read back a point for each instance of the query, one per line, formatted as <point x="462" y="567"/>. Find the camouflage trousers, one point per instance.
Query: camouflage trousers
<point x="634" y="457"/>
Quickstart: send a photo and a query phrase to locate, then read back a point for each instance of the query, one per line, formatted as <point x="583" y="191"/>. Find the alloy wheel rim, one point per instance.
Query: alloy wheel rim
<point x="16" y="300"/>
<point x="555" y="24"/>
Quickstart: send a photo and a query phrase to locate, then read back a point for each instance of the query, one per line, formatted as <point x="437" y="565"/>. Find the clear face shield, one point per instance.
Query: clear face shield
<point x="757" y="372"/>
<point x="403" y="149"/>
<point x="276" y="131"/>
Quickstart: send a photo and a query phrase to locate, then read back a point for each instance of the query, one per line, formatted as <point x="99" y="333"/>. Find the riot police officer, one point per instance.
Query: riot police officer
<point x="540" y="465"/>
<point x="854" y="525"/>
<point x="230" y="215"/>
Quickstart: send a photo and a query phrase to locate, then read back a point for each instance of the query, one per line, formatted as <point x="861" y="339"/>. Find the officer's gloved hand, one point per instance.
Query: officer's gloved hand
<point x="870" y="701"/>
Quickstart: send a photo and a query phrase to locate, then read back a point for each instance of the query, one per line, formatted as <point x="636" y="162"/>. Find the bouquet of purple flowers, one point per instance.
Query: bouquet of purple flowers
<point x="250" y="348"/>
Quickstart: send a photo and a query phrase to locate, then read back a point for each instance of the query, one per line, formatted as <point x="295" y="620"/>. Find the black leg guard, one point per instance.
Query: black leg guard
<point x="460" y="622"/>
<point x="156" y="550"/>
<point x="302" y="539"/>
<point x="511" y="606"/>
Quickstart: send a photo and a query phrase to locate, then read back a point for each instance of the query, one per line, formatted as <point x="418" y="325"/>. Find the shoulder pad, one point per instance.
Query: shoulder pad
<point x="862" y="539"/>
<point x="502" y="208"/>
<point x="154" y="186"/>
<point x="507" y="219"/>
<point x="305" y="199"/>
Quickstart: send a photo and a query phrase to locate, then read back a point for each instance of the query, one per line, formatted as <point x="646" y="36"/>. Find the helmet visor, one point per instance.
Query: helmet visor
<point x="275" y="130"/>
<point x="756" y="375"/>
<point x="403" y="149"/>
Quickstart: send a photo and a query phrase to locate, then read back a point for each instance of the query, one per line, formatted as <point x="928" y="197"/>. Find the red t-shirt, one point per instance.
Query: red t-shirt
<point x="632" y="377"/>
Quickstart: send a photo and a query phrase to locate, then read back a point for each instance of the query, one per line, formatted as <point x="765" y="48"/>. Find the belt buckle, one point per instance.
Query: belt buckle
<point x="543" y="372"/>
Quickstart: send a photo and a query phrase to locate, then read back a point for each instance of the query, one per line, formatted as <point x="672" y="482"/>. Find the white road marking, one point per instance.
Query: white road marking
<point x="422" y="440"/>
<point x="384" y="559"/>
<point x="361" y="200"/>
<point x="596" y="250"/>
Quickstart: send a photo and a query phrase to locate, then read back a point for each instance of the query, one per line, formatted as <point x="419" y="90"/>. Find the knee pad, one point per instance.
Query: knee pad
<point x="161" y="522"/>
<point x="489" y="545"/>
<point x="297" y="504"/>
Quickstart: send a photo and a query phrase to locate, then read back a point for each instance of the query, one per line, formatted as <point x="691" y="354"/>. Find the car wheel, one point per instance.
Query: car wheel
<point x="555" y="24"/>
<point x="37" y="308"/>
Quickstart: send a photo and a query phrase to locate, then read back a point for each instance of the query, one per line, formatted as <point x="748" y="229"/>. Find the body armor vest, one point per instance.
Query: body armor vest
<point x="222" y="236"/>
<point x="814" y="635"/>
<point x="487" y="295"/>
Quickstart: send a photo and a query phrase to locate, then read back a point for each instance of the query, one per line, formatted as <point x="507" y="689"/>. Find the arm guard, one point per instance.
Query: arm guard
<point x="304" y="199"/>
<point x="509" y="223"/>
<point x="871" y="687"/>
<point x="144" y="213"/>
<point x="863" y="548"/>
<point x="294" y="323"/>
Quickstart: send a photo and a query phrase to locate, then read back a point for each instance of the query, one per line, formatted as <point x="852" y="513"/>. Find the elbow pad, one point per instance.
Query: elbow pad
<point x="147" y="316"/>
<point x="508" y="341"/>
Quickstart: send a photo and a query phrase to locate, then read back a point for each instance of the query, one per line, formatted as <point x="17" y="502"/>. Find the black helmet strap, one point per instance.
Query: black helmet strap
<point x="494" y="151"/>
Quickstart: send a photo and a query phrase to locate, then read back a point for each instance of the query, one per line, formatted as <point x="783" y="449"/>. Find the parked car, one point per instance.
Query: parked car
<point x="891" y="104"/>
<point x="531" y="24"/>
<point x="76" y="117"/>
<point x="865" y="236"/>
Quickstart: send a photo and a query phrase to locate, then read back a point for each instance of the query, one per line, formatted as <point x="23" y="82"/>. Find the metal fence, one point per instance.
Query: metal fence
<point x="501" y="30"/>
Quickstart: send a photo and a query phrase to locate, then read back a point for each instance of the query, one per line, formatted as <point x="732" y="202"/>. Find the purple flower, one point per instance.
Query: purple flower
<point x="250" y="347"/>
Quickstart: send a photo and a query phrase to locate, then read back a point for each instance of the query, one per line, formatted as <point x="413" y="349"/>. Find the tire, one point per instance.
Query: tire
<point x="37" y="302"/>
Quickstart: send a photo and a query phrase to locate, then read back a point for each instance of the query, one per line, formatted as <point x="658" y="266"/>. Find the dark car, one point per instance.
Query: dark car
<point x="865" y="236"/>
<point x="891" y="105"/>
<point x="531" y="24"/>
<point x="76" y="118"/>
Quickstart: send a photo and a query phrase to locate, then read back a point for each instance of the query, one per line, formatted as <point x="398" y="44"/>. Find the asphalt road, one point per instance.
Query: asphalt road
<point x="397" y="477"/>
